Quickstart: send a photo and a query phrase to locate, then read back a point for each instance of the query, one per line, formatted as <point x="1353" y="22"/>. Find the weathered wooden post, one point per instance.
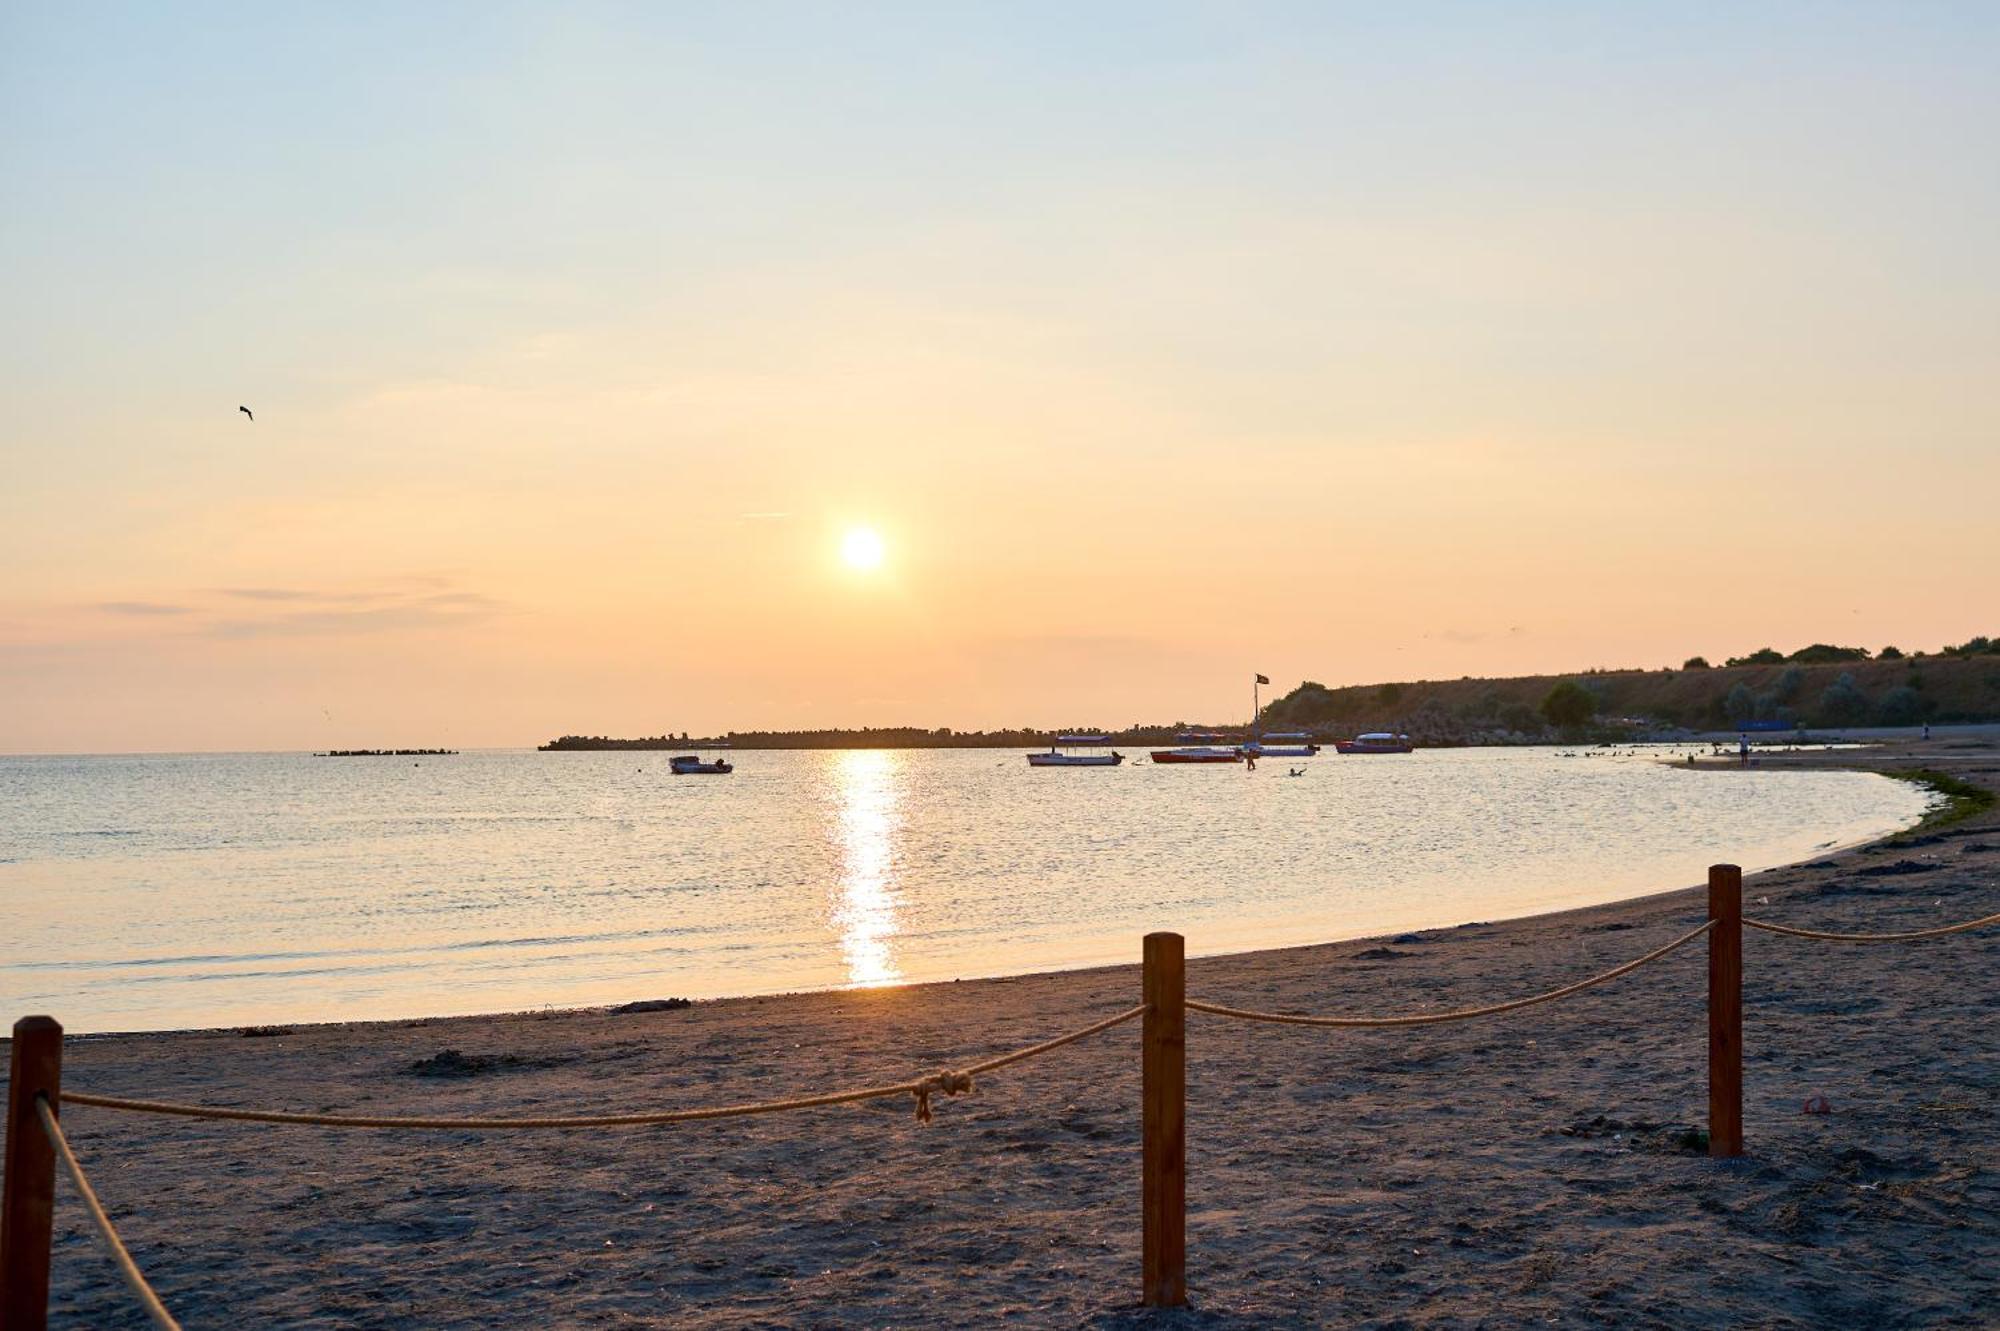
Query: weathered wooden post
<point x="28" y="1185"/>
<point x="1163" y="1192"/>
<point x="1725" y="1011"/>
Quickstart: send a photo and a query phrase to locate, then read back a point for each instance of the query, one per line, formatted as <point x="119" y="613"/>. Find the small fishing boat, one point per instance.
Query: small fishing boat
<point x="689" y="764"/>
<point x="1200" y="748"/>
<point x="1282" y="744"/>
<point x="1057" y="757"/>
<point x="1376" y="741"/>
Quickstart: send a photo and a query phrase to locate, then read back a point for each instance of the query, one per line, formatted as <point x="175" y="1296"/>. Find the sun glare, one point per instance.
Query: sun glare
<point x="862" y="548"/>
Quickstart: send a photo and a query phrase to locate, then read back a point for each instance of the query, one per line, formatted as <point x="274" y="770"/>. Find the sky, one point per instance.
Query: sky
<point x="1158" y="343"/>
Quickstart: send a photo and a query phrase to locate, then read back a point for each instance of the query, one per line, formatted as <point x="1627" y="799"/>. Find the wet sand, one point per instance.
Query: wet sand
<point x="1530" y="1168"/>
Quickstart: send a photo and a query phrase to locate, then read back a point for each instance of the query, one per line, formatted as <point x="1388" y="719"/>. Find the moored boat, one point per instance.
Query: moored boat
<point x="1378" y="741"/>
<point x="1058" y="757"/>
<point x="689" y="764"/>
<point x="1282" y="744"/>
<point x="1200" y="748"/>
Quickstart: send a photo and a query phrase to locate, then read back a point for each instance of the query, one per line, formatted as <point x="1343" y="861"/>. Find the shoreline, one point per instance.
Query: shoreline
<point x="1417" y="1179"/>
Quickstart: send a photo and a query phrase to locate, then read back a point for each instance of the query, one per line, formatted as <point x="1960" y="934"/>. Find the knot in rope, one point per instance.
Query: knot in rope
<point x="940" y="1083"/>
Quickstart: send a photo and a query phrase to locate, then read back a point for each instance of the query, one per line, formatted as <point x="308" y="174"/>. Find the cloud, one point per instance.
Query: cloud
<point x="143" y="608"/>
<point x="444" y="610"/>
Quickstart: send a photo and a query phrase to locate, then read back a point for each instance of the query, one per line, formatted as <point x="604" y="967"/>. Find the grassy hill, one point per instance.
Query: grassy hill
<point x="1900" y="690"/>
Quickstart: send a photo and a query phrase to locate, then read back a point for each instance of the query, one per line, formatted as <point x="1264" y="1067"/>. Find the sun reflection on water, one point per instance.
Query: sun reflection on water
<point x="866" y="785"/>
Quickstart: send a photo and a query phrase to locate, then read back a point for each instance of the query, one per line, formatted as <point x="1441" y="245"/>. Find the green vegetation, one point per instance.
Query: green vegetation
<point x="1887" y="690"/>
<point x="1695" y="663"/>
<point x="1962" y="798"/>
<point x="1821" y="653"/>
<point x="1569" y="705"/>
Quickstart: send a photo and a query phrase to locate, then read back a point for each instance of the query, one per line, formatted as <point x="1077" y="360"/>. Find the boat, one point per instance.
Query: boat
<point x="1376" y="741"/>
<point x="1200" y="748"/>
<point x="1282" y="744"/>
<point x="689" y="764"/>
<point x="1056" y="757"/>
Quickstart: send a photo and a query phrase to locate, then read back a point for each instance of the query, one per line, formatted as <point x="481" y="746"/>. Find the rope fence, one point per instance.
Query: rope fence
<point x="922" y="1089"/>
<point x="1909" y="937"/>
<point x="1462" y="1014"/>
<point x="35" y="1143"/>
<point x="128" y="1270"/>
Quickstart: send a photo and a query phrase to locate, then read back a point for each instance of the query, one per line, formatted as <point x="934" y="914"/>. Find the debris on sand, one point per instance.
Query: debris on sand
<point x="653" y="1005"/>
<point x="1892" y="869"/>
<point x="452" y="1063"/>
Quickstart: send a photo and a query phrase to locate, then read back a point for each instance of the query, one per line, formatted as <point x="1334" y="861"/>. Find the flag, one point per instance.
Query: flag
<point x="1263" y="679"/>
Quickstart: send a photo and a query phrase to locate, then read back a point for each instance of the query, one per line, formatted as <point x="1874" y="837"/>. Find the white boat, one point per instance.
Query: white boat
<point x="1056" y="757"/>
<point x="1199" y="748"/>
<point x="1377" y="741"/>
<point x="1281" y="744"/>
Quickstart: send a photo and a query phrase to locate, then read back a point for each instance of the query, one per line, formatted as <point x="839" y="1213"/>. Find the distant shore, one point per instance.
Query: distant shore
<point x="1423" y="1178"/>
<point x="916" y="738"/>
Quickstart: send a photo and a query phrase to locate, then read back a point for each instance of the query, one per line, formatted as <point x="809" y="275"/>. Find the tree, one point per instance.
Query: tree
<point x="1844" y="703"/>
<point x="1695" y="663"/>
<point x="1741" y="704"/>
<point x="1569" y="704"/>
<point x="1822" y="653"/>
<point x="1900" y="706"/>
<point x="1762" y="656"/>
<point x="1889" y="654"/>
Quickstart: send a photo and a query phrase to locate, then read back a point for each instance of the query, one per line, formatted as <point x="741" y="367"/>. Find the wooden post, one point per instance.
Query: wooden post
<point x="28" y="1186"/>
<point x="1725" y="1011"/>
<point x="1163" y="1192"/>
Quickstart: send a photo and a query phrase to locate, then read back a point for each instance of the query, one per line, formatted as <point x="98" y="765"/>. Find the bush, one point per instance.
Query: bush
<point x="1740" y="705"/>
<point x="1979" y="646"/>
<point x="1389" y="694"/>
<point x="1889" y="654"/>
<point x="1569" y="704"/>
<point x="1787" y="687"/>
<point x="1821" y="653"/>
<point x="1695" y="663"/>
<point x="1519" y="716"/>
<point x="1762" y="656"/>
<point x="1901" y="706"/>
<point x="1843" y="703"/>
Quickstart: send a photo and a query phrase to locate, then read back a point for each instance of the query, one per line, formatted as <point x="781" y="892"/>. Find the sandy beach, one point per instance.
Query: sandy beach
<point x="1531" y="1168"/>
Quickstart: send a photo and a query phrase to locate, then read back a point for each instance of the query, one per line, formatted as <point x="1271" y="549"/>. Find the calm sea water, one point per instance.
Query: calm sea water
<point x="171" y="891"/>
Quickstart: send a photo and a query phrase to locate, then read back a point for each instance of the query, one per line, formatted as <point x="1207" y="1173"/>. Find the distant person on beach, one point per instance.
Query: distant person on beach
<point x="1927" y="730"/>
<point x="1743" y="748"/>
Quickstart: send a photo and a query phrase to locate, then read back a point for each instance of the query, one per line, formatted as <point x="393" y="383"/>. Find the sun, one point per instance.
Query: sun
<point x="861" y="548"/>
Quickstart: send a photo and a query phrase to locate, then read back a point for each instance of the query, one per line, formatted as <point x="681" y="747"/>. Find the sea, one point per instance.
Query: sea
<point x="161" y="892"/>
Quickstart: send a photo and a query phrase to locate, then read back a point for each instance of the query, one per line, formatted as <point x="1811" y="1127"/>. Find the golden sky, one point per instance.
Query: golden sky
<point x="1159" y="346"/>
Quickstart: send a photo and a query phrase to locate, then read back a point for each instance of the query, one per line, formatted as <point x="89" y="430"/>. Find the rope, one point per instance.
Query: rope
<point x="135" y="1280"/>
<point x="922" y="1088"/>
<point x="1463" y="1014"/>
<point x="1770" y="928"/>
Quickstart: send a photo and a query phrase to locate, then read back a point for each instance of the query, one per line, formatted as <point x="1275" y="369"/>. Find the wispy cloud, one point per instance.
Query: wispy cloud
<point x="442" y="610"/>
<point x="415" y="601"/>
<point x="300" y="594"/>
<point x="143" y="608"/>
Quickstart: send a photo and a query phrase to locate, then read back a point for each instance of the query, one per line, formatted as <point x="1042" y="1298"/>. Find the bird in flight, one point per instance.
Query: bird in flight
<point x="247" y="412"/>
